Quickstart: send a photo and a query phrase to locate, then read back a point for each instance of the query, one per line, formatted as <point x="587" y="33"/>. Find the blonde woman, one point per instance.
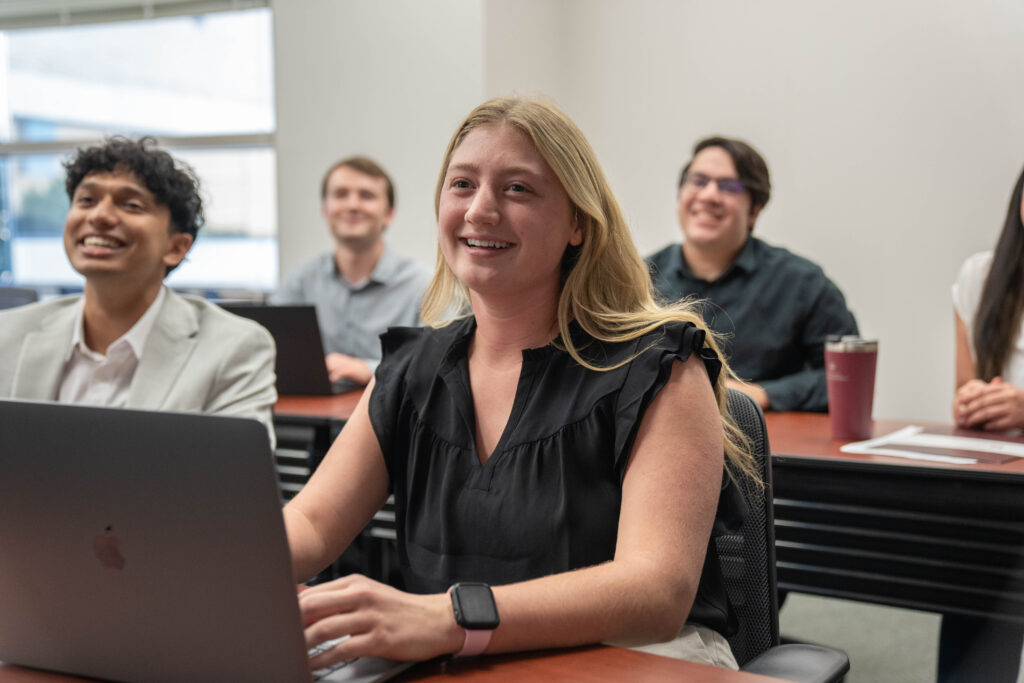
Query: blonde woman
<point x="553" y="438"/>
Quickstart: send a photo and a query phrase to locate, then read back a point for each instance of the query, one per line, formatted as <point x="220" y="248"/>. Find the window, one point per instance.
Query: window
<point x="202" y="85"/>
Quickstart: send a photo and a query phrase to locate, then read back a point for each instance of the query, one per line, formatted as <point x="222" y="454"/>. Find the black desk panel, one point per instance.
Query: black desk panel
<point x="937" y="539"/>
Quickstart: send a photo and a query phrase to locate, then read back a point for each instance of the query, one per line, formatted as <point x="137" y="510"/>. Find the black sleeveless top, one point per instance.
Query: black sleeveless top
<point x="548" y="498"/>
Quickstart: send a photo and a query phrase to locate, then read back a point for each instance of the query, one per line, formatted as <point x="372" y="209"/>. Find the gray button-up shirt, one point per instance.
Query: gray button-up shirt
<point x="352" y="317"/>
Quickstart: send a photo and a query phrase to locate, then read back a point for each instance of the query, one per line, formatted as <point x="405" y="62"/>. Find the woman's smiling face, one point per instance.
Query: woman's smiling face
<point x="504" y="219"/>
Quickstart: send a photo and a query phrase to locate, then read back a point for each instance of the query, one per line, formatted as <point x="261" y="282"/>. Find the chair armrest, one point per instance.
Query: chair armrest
<point x="801" y="663"/>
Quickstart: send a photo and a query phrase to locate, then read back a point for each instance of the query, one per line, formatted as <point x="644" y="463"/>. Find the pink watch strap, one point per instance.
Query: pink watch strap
<point x="475" y="643"/>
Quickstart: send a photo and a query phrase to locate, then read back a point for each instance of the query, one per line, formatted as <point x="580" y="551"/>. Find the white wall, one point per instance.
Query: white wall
<point x="892" y="129"/>
<point x="388" y="79"/>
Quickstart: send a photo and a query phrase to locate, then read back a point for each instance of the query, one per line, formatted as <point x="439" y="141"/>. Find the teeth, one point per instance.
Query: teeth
<point x="97" y="241"/>
<point x="485" y="243"/>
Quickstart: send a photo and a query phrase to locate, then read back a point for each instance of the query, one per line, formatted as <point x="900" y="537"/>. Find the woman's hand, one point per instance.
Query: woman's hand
<point x="991" y="405"/>
<point x="381" y="622"/>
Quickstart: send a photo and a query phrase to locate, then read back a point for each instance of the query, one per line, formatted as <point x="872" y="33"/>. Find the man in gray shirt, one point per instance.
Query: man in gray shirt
<point x="360" y="288"/>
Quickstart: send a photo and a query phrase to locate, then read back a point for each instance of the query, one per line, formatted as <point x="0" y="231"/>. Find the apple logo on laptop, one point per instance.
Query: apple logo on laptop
<point x="105" y="546"/>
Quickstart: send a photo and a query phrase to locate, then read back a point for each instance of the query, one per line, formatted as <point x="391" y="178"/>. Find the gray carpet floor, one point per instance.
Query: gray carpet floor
<point x="885" y="644"/>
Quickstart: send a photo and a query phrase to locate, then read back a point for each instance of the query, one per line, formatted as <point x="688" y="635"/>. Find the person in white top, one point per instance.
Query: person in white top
<point x="127" y="340"/>
<point x="988" y="300"/>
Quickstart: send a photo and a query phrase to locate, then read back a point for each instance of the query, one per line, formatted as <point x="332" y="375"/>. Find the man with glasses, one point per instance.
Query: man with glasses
<point x="776" y="307"/>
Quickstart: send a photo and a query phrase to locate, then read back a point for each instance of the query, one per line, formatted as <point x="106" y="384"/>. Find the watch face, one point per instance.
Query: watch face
<point x="474" y="606"/>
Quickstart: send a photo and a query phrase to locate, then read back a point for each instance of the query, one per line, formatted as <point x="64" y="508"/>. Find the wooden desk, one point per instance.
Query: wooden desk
<point x="808" y="435"/>
<point x="305" y="426"/>
<point x="319" y="414"/>
<point x="594" y="664"/>
<point x="924" y="535"/>
<point x="318" y="409"/>
<point x="590" y="664"/>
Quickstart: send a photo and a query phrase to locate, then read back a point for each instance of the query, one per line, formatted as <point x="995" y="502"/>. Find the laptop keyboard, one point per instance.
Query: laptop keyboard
<point x="320" y="674"/>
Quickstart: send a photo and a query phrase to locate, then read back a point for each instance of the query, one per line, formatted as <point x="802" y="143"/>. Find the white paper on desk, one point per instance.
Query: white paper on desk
<point x="913" y="436"/>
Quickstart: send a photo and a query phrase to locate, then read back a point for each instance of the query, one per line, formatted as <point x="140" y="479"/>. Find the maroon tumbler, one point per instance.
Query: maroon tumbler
<point x="850" y="369"/>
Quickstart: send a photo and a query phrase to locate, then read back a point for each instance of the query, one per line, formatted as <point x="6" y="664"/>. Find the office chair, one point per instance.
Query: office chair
<point x="17" y="296"/>
<point x="748" y="563"/>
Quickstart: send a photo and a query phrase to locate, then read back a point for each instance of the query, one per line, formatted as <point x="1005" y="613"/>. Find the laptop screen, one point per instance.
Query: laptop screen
<point x="300" y="353"/>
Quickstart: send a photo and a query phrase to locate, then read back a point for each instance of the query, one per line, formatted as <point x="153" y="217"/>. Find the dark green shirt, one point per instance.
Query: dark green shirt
<point x="776" y="308"/>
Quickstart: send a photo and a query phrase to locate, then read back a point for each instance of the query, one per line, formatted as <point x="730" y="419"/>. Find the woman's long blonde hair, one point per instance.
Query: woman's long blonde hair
<point x="607" y="286"/>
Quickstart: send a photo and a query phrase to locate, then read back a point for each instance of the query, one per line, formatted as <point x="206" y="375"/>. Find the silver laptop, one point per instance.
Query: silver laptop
<point x="139" y="546"/>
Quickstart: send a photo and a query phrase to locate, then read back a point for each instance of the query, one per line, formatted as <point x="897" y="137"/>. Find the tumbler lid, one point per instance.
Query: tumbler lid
<point x="850" y="342"/>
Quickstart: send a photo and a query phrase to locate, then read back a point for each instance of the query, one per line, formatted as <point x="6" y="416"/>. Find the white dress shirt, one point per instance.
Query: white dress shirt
<point x="95" y="379"/>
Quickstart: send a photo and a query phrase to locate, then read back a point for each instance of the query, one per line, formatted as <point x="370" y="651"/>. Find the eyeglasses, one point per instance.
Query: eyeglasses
<point x="726" y="185"/>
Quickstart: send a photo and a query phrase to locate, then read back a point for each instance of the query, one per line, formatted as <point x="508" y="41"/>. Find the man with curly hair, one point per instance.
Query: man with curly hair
<point x="128" y="340"/>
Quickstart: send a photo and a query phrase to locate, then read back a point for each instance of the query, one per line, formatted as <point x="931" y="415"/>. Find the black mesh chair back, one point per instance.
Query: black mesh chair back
<point x="748" y="558"/>
<point x="17" y="296"/>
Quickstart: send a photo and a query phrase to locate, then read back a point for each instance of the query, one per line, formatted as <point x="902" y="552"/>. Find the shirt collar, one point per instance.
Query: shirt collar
<point x="388" y="266"/>
<point x="746" y="260"/>
<point x="462" y="331"/>
<point x="135" y="338"/>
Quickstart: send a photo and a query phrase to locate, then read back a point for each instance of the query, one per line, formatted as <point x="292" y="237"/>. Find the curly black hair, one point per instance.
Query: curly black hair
<point x="173" y="183"/>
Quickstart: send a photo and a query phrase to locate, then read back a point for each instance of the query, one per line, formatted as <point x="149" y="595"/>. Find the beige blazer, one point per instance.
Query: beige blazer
<point x="198" y="358"/>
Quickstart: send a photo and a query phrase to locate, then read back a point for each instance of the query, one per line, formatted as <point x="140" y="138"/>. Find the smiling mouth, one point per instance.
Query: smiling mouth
<point x="97" y="241"/>
<point x="487" y="244"/>
<point x="704" y="216"/>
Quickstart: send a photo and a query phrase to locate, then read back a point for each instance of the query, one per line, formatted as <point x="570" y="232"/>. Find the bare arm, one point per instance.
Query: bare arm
<point x="670" y="493"/>
<point x="968" y="387"/>
<point x="965" y="370"/>
<point x="341" y="497"/>
<point x="643" y="594"/>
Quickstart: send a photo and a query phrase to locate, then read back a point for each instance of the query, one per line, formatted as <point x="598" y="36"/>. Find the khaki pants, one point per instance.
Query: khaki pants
<point x="695" y="644"/>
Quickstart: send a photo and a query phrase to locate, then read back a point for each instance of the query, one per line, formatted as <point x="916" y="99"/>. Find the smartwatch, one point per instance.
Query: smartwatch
<point x="477" y="613"/>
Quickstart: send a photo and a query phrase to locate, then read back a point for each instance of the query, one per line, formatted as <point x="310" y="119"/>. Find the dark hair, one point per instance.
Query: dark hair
<point x="750" y="166"/>
<point x="364" y="165"/>
<point x="997" y="322"/>
<point x="173" y="183"/>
